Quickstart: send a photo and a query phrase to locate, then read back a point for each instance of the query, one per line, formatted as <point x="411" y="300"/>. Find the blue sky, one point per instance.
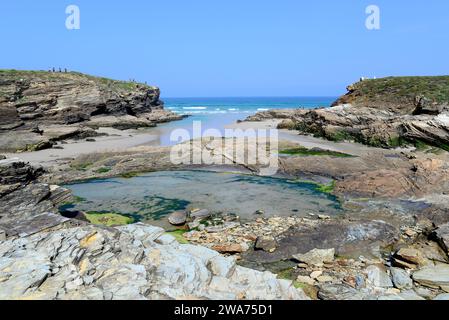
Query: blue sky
<point x="201" y="48"/>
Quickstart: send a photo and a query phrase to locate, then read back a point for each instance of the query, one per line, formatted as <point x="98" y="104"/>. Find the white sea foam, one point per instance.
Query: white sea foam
<point x="194" y="108"/>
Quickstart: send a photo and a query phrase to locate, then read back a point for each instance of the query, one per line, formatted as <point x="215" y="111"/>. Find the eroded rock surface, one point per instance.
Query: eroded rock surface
<point x="131" y="262"/>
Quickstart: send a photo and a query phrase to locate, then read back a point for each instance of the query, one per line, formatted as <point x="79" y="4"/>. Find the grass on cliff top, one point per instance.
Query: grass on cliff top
<point x="42" y="75"/>
<point x="108" y="219"/>
<point x="435" y="88"/>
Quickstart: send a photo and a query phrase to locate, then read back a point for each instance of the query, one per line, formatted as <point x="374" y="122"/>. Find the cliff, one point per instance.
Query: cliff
<point x="400" y="95"/>
<point x="31" y="101"/>
<point x="388" y="113"/>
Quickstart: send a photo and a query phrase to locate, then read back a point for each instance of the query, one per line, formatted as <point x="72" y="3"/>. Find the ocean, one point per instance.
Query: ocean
<point x="247" y="106"/>
<point x="216" y="113"/>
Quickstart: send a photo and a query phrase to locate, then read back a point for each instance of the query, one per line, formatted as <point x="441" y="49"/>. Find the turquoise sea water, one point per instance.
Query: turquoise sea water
<point x="216" y="113"/>
<point x="250" y="105"/>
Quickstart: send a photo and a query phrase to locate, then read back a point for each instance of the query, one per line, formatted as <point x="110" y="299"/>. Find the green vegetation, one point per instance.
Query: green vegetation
<point x="326" y="188"/>
<point x="129" y="175"/>
<point x="77" y="199"/>
<point x="397" y="142"/>
<point x="80" y="166"/>
<point x="302" y="151"/>
<point x="179" y="236"/>
<point x="289" y="274"/>
<point x="340" y="136"/>
<point x="405" y="88"/>
<point x="103" y="170"/>
<point x="105" y="83"/>
<point x="108" y="219"/>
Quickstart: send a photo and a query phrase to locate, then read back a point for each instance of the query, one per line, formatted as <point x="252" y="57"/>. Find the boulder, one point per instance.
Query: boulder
<point x="266" y="243"/>
<point x="401" y="279"/>
<point x="339" y="292"/>
<point x="200" y="214"/>
<point x="378" y="277"/>
<point x="316" y="257"/>
<point x="410" y="258"/>
<point x="178" y="218"/>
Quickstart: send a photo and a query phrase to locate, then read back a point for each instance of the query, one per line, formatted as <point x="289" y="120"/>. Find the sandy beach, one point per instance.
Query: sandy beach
<point x="119" y="140"/>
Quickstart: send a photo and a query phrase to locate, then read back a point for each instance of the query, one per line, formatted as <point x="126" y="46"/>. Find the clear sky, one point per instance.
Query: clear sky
<point x="202" y="48"/>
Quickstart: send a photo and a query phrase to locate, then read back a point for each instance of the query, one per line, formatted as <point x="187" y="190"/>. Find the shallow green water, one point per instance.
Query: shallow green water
<point x="151" y="197"/>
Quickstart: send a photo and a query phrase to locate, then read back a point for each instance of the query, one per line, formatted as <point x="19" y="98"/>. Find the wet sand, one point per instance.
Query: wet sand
<point x="355" y="149"/>
<point x="118" y="140"/>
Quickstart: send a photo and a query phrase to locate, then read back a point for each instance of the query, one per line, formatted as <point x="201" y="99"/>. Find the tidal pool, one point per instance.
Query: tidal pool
<point x="151" y="197"/>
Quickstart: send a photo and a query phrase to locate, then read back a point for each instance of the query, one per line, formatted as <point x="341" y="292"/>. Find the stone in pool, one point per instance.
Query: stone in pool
<point x="178" y="218"/>
<point x="200" y="214"/>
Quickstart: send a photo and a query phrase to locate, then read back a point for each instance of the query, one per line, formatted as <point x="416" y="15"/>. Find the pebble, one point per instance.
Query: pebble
<point x="306" y="280"/>
<point x="316" y="274"/>
<point x="325" y="279"/>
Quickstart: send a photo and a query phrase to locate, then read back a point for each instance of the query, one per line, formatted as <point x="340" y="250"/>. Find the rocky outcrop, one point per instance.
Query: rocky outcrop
<point x="133" y="262"/>
<point x="387" y="113"/>
<point x="27" y="206"/>
<point x="31" y="101"/>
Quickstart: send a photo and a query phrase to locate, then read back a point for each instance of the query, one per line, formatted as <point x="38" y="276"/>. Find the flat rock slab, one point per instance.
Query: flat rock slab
<point x="316" y="257"/>
<point x="433" y="277"/>
<point x="33" y="224"/>
<point x="339" y="292"/>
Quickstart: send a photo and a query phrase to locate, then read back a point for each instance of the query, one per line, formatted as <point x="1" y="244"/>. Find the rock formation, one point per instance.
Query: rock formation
<point x="38" y="108"/>
<point x="388" y="112"/>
